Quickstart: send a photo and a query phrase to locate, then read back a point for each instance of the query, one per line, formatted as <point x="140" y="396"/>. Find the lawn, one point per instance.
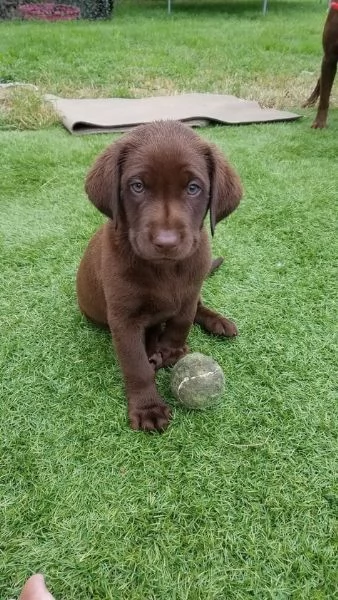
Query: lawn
<point x="235" y="503"/>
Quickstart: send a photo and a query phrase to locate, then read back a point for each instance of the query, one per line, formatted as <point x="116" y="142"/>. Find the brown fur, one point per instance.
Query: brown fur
<point x="328" y="70"/>
<point x="143" y="271"/>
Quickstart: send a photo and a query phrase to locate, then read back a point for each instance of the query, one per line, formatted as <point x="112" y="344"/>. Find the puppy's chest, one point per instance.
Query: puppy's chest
<point x="166" y="297"/>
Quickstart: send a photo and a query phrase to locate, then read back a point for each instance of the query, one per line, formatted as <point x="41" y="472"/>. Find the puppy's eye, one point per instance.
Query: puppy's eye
<point x="137" y="187"/>
<point x="193" y="188"/>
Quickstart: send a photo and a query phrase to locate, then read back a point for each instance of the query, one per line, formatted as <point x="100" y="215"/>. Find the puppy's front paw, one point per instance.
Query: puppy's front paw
<point x="151" y="415"/>
<point x="166" y="356"/>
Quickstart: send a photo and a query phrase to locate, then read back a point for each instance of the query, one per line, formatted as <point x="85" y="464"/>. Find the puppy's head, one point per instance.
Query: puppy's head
<point x="158" y="182"/>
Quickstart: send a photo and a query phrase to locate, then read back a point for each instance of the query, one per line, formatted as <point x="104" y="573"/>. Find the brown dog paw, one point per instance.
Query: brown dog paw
<point x="156" y="360"/>
<point x="166" y="356"/>
<point x="320" y="120"/>
<point x="153" y="416"/>
<point x="319" y="124"/>
<point x="218" y="325"/>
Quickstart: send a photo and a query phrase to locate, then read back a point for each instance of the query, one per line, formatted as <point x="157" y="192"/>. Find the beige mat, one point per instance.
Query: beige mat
<point x="105" y="115"/>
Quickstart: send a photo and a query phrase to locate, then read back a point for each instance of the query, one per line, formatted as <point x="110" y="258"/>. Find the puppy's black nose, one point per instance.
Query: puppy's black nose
<point x="166" y="239"/>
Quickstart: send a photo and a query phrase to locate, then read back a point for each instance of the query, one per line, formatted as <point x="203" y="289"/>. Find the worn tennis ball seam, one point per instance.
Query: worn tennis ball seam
<point x="195" y="377"/>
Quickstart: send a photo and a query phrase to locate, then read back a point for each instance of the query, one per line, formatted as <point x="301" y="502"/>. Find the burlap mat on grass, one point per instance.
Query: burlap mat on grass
<point x="104" y="115"/>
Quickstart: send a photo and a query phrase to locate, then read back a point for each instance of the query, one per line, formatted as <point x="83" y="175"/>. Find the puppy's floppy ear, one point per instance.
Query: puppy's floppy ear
<point x="225" y="187"/>
<point x="103" y="180"/>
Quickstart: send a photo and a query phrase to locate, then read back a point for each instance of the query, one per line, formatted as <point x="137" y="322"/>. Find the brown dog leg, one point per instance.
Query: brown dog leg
<point x="214" y="323"/>
<point x="146" y="409"/>
<point x="162" y="354"/>
<point x="152" y="337"/>
<point x="328" y="73"/>
<point x="171" y="345"/>
<point x="166" y="347"/>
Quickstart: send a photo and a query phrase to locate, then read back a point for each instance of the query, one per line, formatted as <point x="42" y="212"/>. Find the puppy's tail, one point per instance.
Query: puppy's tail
<point x="216" y="263"/>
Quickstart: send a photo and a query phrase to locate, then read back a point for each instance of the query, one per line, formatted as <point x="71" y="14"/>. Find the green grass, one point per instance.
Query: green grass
<point x="223" y="46"/>
<point x="236" y="503"/>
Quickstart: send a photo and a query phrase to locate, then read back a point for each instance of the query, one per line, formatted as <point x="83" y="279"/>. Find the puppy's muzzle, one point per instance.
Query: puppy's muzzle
<point x="166" y="240"/>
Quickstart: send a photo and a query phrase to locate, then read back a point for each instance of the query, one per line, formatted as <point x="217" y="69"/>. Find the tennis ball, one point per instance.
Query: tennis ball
<point x="197" y="381"/>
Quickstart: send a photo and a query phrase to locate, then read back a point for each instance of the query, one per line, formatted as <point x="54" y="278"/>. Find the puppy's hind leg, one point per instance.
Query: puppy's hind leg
<point x="214" y="323"/>
<point x="210" y="320"/>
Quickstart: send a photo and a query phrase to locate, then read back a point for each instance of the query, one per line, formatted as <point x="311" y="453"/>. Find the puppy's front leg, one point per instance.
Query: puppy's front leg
<point x="146" y="409"/>
<point x="172" y="342"/>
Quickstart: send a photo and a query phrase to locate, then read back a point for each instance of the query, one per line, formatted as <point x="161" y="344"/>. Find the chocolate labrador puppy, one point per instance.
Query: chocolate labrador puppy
<point x="143" y="271"/>
<point x="328" y="70"/>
